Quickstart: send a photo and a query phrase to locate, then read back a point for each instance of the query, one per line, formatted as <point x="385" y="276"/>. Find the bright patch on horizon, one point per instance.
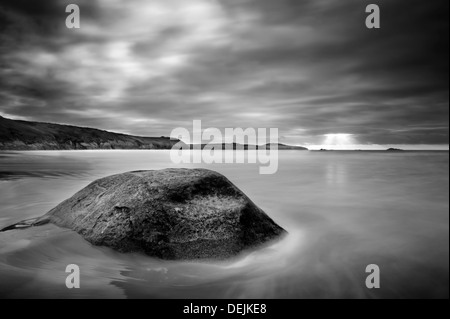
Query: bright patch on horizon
<point x="338" y="140"/>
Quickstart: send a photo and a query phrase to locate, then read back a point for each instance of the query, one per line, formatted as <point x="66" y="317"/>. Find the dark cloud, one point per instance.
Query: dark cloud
<point x="310" y="68"/>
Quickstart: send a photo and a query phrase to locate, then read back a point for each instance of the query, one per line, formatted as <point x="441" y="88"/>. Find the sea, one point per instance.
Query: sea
<point x="343" y="210"/>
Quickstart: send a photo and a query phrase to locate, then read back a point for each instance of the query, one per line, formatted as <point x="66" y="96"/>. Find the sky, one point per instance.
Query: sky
<point x="310" y="68"/>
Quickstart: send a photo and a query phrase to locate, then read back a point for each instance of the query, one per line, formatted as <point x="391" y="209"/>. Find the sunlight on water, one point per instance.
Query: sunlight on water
<point x="343" y="211"/>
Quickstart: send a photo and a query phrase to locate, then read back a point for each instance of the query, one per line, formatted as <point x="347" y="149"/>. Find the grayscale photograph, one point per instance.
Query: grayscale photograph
<point x="209" y="151"/>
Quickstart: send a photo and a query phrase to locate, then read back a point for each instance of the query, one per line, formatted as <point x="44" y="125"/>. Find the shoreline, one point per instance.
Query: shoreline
<point x="284" y="150"/>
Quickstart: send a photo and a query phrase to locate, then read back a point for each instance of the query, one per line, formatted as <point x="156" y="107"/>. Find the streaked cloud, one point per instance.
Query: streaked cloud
<point x="310" y="67"/>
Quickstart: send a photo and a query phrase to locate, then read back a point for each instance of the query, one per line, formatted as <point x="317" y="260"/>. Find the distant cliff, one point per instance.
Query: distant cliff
<point x="394" y="150"/>
<point x="23" y="135"/>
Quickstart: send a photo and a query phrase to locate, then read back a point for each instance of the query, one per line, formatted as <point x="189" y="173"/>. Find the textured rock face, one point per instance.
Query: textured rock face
<point x="170" y="214"/>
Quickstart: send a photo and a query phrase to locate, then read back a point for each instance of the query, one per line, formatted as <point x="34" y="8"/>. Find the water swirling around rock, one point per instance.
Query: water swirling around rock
<point x="176" y="214"/>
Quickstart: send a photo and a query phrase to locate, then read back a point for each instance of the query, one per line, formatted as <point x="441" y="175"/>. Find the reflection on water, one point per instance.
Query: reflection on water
<point x="336" y="173"/>
<point x="343" y="211"/>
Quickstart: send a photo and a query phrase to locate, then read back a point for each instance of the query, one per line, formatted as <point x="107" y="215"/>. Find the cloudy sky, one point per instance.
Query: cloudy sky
<point x="308" y="67"/>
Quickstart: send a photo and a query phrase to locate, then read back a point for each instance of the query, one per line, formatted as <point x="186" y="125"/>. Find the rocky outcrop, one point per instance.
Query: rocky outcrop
<point x="171" y="214"/>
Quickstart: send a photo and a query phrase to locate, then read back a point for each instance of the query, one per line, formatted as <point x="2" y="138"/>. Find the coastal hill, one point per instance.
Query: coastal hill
<point x="394" y="150"/>
<point x="25" y="135"/>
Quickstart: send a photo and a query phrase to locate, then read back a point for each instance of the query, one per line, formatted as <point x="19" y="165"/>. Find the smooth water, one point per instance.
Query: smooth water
<point x="343" y="211"/>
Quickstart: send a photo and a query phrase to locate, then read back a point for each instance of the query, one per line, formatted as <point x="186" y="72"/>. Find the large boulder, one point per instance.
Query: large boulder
<point x="170" y="214"/>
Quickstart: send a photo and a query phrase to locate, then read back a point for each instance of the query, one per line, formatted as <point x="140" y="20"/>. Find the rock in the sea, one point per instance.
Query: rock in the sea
<point x="170" y="214"/>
